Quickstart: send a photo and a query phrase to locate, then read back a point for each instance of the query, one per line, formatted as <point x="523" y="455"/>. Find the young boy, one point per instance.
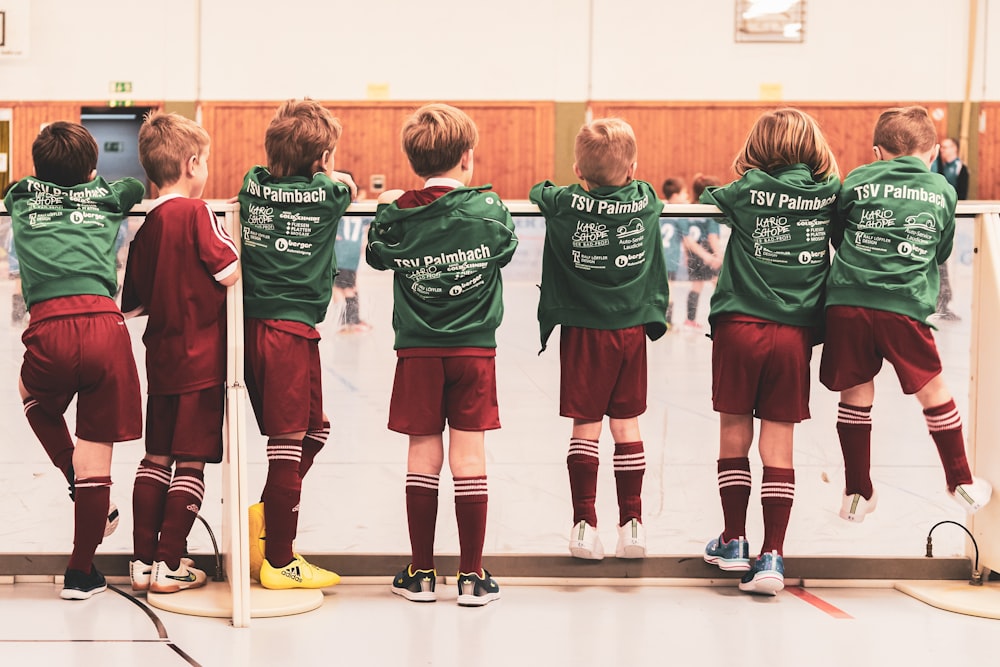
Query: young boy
<point x="895" y="224"/>
<point x="445" y="243"/>
<point x="179" y="265"/>
<point x="65" y="220"/>
<point x="605" y="281"/>
<point x="288" y="214"/>
<point x="704" y="253"/>
<point x="673" y="230"/>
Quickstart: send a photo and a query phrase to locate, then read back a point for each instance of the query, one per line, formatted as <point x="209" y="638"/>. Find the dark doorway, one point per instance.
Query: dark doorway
<point x="116" y="130"/>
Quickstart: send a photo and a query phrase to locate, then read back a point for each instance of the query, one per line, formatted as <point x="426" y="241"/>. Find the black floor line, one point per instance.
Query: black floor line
<point x="161" y="630"/>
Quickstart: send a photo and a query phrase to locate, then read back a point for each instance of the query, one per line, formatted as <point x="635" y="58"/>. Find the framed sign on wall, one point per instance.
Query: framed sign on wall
<point x="770" y="20"/>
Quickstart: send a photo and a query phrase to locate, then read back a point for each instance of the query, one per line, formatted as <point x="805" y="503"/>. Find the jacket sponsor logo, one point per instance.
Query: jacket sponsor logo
<point x="590" y="235"/>
<point x="877" y="218"/>
<point x="631" y="228"/>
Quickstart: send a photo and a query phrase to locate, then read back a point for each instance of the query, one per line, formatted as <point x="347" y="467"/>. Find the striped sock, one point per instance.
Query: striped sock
<point x="945" y="425"/>
<point x="630" y="466"/>
<point x="583" y="461"/>
<point x="421" y="517"/>
<point x="734" y="492"/>
<point x="311" y="446"/>
<point x="90" y="513"/>
<point x="854" y="427"/>
<point x="187" y="491"/>
<point x="777" y="492"/>
<point x="149" y="497"/>
<point x="471" y="496"/>
<point x="281" y="495"/>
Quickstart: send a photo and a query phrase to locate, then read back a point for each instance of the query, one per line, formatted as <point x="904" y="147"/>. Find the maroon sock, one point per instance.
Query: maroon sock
<point x="187" y="490"/>
<point x="854" y="427"/>
<point x="90" y="514"/>
<point x="630" y="466"/>
<point x="470" y="510"/>
<point x="52" y="432"/>
<point x="777" y="491"/>
<point x="149" y="496"/>
<point x="421" y="517"/>
<point x="282" y="492"/>
<point x="311" y="445"/>
<point x="945" y="425"/>
<point x="582" y="462"/>
<point x="734" y="492"/>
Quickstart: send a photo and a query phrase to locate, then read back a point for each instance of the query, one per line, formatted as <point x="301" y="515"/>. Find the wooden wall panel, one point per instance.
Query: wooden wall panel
<point x="989" y="152"/>
<point x="682" y="139"/>
<point x="26" y="120"/>
<point x="514" y="152"/>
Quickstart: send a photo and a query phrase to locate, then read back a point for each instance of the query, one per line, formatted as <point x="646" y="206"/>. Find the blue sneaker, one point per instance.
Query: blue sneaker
<point x="767" y="576"/>
<point x="731" y="556"/>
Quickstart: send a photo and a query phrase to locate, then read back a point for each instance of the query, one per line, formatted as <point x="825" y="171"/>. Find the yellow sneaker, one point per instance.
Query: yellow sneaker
<point x="297" y="574"/>
<point x="255" y="514"/>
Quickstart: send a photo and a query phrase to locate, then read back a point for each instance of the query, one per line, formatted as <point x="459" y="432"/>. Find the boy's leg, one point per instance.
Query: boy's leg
<point x="92" y="463"/>
<point x="735" y="439"/>
<point x="467" y="459"/>
<point x="582" y="463"/>
<point x="630" y="467"/>
<point x="183" y="502"/>
<point x="945" y="426"/>
<point x="149" y="497"/>
<point x="312" y="443"/>
<point x="423" y="476"/>
<point x="777" y="490"/>
<point x="281" y="495"/>
<point x="692" y="301"/>
<point x="51" y="431"/>
<point x="854" y="428"/>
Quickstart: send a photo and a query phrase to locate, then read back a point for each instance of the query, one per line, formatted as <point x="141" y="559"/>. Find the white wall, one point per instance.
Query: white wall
<point x="516" y="49"/>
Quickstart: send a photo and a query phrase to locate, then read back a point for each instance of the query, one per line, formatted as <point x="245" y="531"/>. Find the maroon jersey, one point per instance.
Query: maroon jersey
<point x="174" y="265"/>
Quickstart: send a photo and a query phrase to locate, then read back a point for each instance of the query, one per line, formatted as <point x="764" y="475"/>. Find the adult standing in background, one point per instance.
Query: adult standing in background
<point x="956" y="173"/>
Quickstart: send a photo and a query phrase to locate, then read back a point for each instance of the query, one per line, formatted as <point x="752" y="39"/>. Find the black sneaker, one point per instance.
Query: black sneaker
<point x="415" y="585"/>
<point x="79" y="585"/>
<point x="476" y="591"/>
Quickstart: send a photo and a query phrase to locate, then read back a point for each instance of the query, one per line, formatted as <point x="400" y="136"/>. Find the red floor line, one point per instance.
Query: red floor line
<point x="818" y="602"/>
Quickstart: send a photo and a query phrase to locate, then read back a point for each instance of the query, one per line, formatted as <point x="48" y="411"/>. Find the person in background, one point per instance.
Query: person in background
<point x="673" y="230"/>
<point x="956" y="173"/>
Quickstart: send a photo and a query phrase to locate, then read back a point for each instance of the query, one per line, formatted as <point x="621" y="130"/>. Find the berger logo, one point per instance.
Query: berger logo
<point x="281" y="245"/>
<point x="76" y="217"/>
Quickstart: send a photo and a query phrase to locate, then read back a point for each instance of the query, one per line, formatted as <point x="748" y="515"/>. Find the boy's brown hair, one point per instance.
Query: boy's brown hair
<point x="672" y="186"/>
<point x="604" y="151"/>
<point x="905" y="131"/>
<point x="64" y="153"/>
<point x="702" y="181"/>
<point x="435" y="137"/>
<point x="300" y="132"/>
<point x="785" y="137"/>
<point x="166" y="142"/>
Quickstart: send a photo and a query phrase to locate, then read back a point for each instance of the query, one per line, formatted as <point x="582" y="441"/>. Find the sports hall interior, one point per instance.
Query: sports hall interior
<point x="690" y="77"/>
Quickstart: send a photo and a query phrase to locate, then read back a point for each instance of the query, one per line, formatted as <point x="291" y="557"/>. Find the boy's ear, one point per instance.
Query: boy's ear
<point x="630" y="174"/>
<point x="93" y="174"/>
<point x="576" y="170"/>
<point x="878" y="152"/>
<point x="466" y="159"/>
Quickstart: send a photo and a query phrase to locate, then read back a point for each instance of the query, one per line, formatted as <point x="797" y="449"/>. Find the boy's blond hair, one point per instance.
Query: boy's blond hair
<point x="64" y="153"/>
<point x="166" y="142"/>
<point x="604" y="151"/>
<point x="435" y="137"/>
<point x="905" y="131"/>
<point x="785" y="137"/>
<point x="300" y="132"/>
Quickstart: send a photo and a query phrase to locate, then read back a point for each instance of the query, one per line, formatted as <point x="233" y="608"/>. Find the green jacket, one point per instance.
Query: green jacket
<point x="289" y="226"/>
<point x="65" y="237"/>
<point x="446" y="259"/>
<point x="895" y="223"/>
<point x="777" y="258"/>
<point x="602" y="263"/>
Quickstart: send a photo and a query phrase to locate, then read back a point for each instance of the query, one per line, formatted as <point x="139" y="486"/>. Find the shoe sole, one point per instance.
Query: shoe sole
<point x="75" y="594"/>
<point x="729" y="565"/>
<point x="632" y="551"/>
<point x="477" y="600"/>
<point x="584" y="553"/>
<point x="764" y="585"/>
<point x="422" y="596"/>
<point x="174" y="588"/>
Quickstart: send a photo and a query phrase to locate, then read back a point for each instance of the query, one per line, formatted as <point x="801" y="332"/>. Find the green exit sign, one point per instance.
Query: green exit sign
<point x="114" y="147"/>
<point x="121" y="86"/>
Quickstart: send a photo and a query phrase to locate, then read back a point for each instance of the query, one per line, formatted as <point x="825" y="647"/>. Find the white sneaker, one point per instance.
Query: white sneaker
<point x="972" y="497"/>
<point x="112" y="523"/>
<point x="165" y="580"/>
<point x="854" y="506"/>
<point x="584" y="542"/>
<point x="140" y="573"/>
<point x="631" y="540"/>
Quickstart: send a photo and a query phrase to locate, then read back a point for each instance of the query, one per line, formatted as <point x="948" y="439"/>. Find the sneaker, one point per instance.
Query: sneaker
<point x="476" y="591"/>
<point x="139" y="572"/>
<point x="298" y="574"/>
<point x="165" y="580"/>
<point x="584" y="542"/>
<point x="255" y="517"/>
<point x="972" y="497"/>
<point x="78" y="585"/>
<point x="731" y="556"/>
<point x="855" y="506"/>
<point x="415" y="585"/>
<point x="631" y="540"/>
<point x="766" y="577"/>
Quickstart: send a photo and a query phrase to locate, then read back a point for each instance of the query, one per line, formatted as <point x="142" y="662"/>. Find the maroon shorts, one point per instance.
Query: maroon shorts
<point x="187" y="427"/>
<point x="761" y="368"/>
<point x="602" y="372"/>
<point x="858" y="339"/>
<point x="428" y="390"/>
<point x="89" y="356"/>
<point x="284" y="376"/>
